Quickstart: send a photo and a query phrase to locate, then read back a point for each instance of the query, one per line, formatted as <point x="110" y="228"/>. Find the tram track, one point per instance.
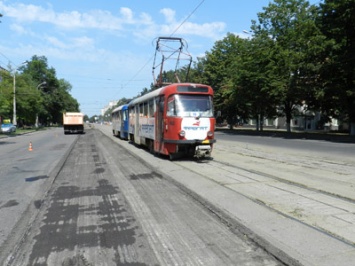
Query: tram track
<point x="293" y="183"/>
<point x="280" y="183"/>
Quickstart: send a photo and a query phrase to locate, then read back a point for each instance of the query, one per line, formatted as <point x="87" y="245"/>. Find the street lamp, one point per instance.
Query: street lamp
<point x="38" y="86"/>
<point x="14" y="121"/>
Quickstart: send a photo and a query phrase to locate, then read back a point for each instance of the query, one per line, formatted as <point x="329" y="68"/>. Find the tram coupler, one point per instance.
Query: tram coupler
<point x="202" y="151"/>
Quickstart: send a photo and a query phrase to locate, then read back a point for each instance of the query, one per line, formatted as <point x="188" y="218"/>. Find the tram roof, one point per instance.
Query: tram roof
<point x="156" y="92"/>
<point x="121" y="107"/>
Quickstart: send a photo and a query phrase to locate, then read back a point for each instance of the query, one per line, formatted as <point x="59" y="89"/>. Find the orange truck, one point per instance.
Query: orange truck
<point x="73" y="123"/>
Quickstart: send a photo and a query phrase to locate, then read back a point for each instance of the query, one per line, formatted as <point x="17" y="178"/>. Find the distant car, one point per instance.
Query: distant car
<point x="8" y="128"/>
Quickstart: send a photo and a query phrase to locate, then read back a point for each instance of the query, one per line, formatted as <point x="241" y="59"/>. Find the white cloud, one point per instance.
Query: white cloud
<point x="210" y="30"/>
<point x="57" y="43"/>
<point x="83" y="42"/>
<point x="144" y="25"/>
<point x="18" y="29"/>
<point x="97" y="19"/>
<point x="127" y="14"/>
<point x="169" y="15"/>
<point x="146" y="19"/>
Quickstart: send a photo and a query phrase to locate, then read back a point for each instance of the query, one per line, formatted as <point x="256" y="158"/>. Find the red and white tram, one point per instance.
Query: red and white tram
<point x="176" y="120"/>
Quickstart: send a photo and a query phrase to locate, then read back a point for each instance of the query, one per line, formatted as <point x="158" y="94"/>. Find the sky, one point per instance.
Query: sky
<point x="105" y="49"/>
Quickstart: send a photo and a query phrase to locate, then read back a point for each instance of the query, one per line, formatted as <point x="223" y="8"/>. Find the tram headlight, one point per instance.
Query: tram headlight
<point x="210" y="134"/>
<point x="182" y="133"/>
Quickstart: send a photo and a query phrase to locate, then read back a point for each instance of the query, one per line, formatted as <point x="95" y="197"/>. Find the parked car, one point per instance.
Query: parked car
<point x="8" y="128"/>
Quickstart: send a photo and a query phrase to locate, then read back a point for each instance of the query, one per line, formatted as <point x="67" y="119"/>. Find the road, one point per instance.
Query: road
<point x="291" y="198"/>
<point x="25" y="175"/>
<point x="106" y="206"/>
<point x="322" y="148"/>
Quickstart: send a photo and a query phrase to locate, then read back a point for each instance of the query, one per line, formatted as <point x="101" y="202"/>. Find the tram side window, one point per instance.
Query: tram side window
<point x="131" y="114"/>
<point x="141" y="110"/>
<point x="145" y="109"/>
<point x="151" y="108"/>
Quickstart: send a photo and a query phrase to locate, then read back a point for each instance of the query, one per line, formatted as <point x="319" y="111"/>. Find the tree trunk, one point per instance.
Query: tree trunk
<point x="257" y="118"/>
<point x="288" y="114"/>
<point x="288" y="126"/>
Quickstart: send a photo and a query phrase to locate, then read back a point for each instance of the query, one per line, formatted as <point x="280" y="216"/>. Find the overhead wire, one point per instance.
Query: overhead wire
<point x="150" y="59"/>
<point x="10" y="62"/>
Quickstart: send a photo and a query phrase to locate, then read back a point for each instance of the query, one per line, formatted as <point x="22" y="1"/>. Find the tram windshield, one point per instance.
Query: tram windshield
<point x="190" y="105"/>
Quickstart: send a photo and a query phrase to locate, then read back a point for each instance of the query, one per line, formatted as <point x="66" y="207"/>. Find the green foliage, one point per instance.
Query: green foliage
<point x="6" y="94"/>
<point x="26" y="99"/>
<point x="252" y="82"/>
<point x="53" y="94"/>
<point x="219" y="71"/>
<point x="337" y="22"/>
<point x="38" y="92"/>
<point x="295" y="40"/>
<point x="297" y="54"/>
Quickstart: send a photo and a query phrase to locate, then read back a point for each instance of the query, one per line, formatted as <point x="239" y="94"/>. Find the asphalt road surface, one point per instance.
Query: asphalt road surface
<point x="108" y="207"/>
<point x="26" y="175"/>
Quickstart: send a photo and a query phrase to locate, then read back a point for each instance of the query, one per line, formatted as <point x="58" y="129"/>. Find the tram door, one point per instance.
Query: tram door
<point x="159" y="124"/>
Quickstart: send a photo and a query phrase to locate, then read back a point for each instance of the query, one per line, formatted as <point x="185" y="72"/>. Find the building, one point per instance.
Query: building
<point x="107" y="107"/>
<point x="303" y="119"/>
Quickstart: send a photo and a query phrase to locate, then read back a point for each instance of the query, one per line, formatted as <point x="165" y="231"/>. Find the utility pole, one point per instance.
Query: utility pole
<point x="14" y="121"/>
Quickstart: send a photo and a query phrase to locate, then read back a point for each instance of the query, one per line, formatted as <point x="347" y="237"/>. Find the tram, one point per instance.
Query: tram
<point x="175" y="120"/>
<point x="120" y="122"/>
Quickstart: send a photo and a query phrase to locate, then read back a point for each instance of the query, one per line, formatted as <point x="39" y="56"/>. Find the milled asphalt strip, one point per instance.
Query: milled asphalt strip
<point x="292" y="242"/>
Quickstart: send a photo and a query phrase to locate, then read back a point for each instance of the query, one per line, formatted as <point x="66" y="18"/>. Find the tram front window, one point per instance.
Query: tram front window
<point x="190" y="106"/>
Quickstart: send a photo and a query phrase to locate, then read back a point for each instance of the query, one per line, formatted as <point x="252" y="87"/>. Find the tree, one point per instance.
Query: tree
<point x="197" y="70"/>
<point x="337" y="22"/>
<point x="26" y="99"/>
<point x="52" y="94"/>
<point x="62" y="101"/>
<point x="237" y="69"/>
<point x="252" y="81"/>
<point x="219" y="70"/>
<point x="6" y="88"/>
<point x="39" y="93"/>
<point x="291" y="26"/>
